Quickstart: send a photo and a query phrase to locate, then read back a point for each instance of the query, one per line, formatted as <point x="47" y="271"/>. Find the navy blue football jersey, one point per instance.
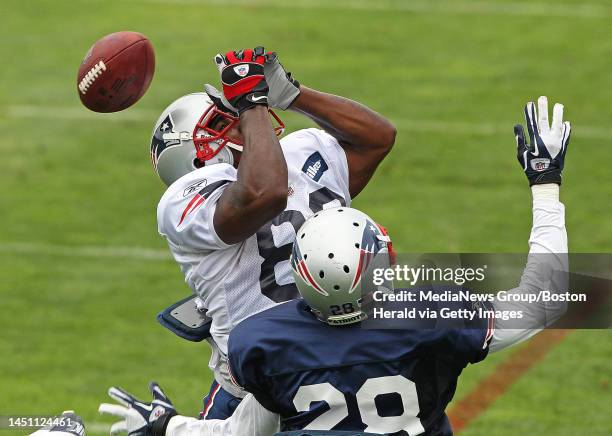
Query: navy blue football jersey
<point x="322" y="377"/>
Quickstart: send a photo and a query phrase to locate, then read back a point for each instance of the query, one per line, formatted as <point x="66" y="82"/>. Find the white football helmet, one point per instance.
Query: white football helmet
<point x="188" y="135"/>
<point x="332" y="252"/>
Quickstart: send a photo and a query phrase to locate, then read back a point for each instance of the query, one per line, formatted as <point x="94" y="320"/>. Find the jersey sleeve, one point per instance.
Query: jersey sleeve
<point x="186" y="211"/>
<point x="468" y="339"/>
<point x="462" y="331"/>
<point x="318" y="155"/>
<point x="247" y="361"/>
<point x="471" y="343"/>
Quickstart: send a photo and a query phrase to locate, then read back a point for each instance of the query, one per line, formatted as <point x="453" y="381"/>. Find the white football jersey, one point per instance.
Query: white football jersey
<point x="239" y="280"/>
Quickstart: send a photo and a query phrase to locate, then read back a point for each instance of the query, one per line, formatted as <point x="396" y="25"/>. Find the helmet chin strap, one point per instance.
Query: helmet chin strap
<point x="234" y="146"/>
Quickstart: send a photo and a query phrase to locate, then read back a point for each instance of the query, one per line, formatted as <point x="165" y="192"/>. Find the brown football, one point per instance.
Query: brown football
<point x="116" y="71"/>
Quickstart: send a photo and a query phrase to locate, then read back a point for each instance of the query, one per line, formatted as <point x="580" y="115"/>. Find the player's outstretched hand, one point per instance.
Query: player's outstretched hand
<point x="284" y="89"/>
<point x="242" y="76"/>
<point x="543" y="157"/>
<point x="139" y="418"/>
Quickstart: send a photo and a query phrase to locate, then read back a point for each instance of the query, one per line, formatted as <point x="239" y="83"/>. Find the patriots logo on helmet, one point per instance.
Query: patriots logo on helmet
<point x="373" y="240"/>
<point x="159" y="143"/>
<point x="299" y="266"/>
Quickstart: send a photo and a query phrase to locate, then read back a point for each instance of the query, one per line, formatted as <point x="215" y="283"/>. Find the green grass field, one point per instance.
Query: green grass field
<point x="82" y="270"/>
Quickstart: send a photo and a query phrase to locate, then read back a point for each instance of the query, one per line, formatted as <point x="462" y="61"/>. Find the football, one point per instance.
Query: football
<point x="116" y="72"/>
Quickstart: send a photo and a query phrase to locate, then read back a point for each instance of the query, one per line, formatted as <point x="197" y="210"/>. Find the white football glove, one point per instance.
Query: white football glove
<point x="138" y="418"/>
<point x="543" y="158"/>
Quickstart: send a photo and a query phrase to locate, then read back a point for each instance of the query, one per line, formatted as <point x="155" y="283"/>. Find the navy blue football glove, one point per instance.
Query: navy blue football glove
<point x="138" y="418"/>
<point x="543" y="157"/>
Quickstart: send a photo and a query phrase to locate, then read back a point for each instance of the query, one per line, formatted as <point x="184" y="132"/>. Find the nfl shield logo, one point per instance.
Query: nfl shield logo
<point x="242" y="69"/>
<point x="540" y="164"/>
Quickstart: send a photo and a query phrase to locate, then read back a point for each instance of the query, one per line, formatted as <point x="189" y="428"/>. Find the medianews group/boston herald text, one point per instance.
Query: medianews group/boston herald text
<point x="411" y="295"/>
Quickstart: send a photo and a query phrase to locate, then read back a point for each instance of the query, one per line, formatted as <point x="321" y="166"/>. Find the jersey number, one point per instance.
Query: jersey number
<point x="273" y="255"/>
<point x="366" y="395"/>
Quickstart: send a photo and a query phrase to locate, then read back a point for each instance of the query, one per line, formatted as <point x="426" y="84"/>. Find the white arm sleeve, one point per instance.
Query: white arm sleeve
<point x="547" y="254"/>
<point x="249" y="419"/>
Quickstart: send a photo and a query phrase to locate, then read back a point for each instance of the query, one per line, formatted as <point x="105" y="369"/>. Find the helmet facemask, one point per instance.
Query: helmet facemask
<point x="192" y="132"/>
<point x="210" y="134"/>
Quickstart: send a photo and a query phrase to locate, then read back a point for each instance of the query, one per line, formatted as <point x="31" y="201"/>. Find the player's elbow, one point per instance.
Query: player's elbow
<point x="383" y="137"/>
<point x="276" y="201"/>
<point x="388" y="134"/>
<point x="271" y="201"/>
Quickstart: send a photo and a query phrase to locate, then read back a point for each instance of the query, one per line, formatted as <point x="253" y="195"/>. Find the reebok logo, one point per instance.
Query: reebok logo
<point x="194" y="187"/>
<point x="315" y="166"/>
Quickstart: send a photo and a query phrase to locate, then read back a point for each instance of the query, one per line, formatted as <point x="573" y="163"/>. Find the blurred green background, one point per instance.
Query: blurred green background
<point x="83" y="271"/>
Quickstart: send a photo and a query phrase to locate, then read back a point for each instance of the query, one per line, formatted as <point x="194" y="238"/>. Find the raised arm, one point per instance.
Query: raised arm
<point x="260" y="192"/>
<point x="365" y="135"/>
<point x="542" y="160"/>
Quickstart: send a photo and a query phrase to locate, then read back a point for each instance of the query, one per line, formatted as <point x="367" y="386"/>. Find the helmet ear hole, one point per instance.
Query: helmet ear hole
<point x="322" y="274"/>
<point x="346" y="269"/>
<point x="330" y="255"/>
<point x="336" y="287"/>
<point x="198" y="163"/>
